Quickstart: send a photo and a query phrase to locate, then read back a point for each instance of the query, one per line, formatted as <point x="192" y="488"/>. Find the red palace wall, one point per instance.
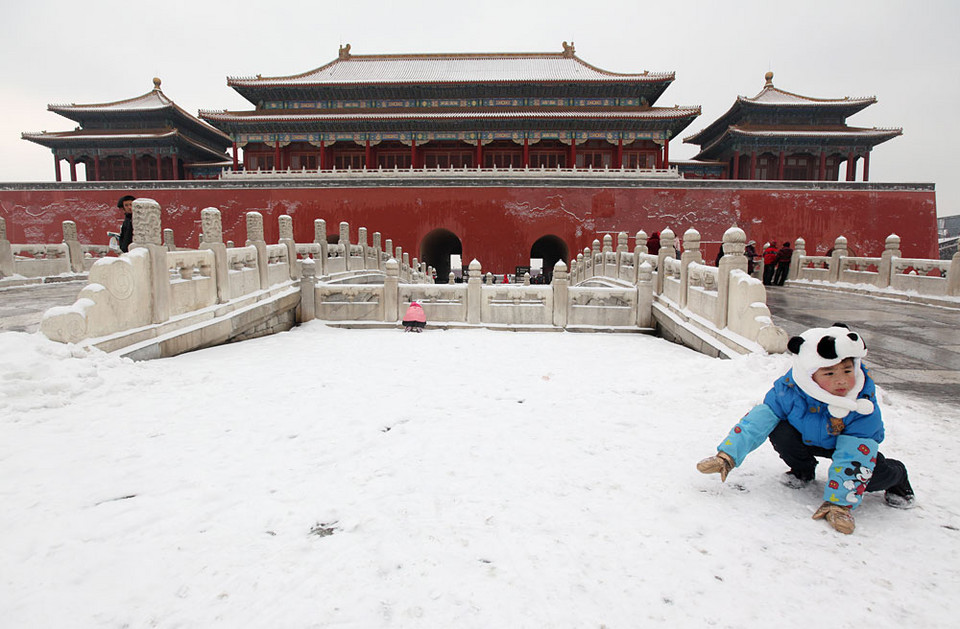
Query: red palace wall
<point x="498" y="225"/>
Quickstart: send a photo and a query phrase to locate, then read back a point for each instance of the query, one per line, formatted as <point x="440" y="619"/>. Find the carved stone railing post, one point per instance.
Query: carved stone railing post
<point x="308" y="290"/>
<point x="596" y="250"/>
<point x="388" y="248"/>
<point x="526" y="278"/>
<point x="320" y="238"/>
<point x="405" y="269"/>
<point x="587" y="263"/>
<point x="146" y="234"/>
<point x="452" y="278"/>
<point x="474" y="291"/>
<point x="417" y="274"/>
<point x="667" y="238"/>
<point x="691" y="253"/>
<point x="6" y="252"/>
<point x="839" y="251"/>
<point x="561" y="294"/>
<point x="734" y="242"/>
<point x="578" y="270"/>
<point x="621" y="249"/>
<point x="74" y="249"/>
<point x="212" y="227"/>
<point x="799" y="250"/>
<point x="362" y="241"/>
<point x="645" y="295"/>
<point x="168" y="239"/>
<point x="640" y="247"/>
<point x="391" y="291"/>
<point x="286" y="238"/>
<point x="345" y="243"/>
<point x="255" y="239"/>
<point x="379" y="250"/>
<point x="607" y="249"/>
<point x="953" y="276"/>
<point x="891" y="250"/>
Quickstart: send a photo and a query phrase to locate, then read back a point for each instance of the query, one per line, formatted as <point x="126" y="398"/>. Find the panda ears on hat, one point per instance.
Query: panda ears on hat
<point x="826" y="346"/>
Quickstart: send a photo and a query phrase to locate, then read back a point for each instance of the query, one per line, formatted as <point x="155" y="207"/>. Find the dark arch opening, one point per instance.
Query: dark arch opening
<point x="551" y="249"/>
<point x="436" y="249"/>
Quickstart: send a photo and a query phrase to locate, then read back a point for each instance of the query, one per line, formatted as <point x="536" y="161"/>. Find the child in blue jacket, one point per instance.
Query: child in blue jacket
<point x="826" y="406"/>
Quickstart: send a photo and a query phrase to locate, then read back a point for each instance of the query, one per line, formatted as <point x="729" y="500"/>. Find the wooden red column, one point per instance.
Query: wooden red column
<point x="573" y="152"/>
<point x="479" y="152"/>
<point x="736" y="165"/>
<point x="822" y="171"/>
<point x="526" y="152"/>
<point x="159" y="166"/>
<point x="56" y="167"/>
<point x="236" y="158"/>
<point x="367" y="156"/>
<point x="96" y="167"/>
<point x="851" y="167"/>
<point x="73" y="169"/>
<point x="666" y="152"/>
<point x="323" y="156"/>
<point x="619" y="153"/>
<point x="133" y="167"/>
<point x="781" y="161"/>
<point x="276" y="155"/>
<point x="413" y="152"/>
<point x="174" y="162"/>
<point x="866" y="166"/>
<point x="753" y="165"/>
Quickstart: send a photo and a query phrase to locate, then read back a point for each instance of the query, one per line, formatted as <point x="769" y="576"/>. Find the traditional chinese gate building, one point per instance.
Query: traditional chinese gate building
<point x="785" y="136"/>
<point x="502" y="110"/>
<point x="143" y="138"/>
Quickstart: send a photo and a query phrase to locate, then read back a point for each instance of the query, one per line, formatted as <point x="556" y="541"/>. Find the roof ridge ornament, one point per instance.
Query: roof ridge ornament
<point x="769" y="78"/>
<point x="344" y="52"/>
<point x="156" y="83"/>
<point x="568" y="50"/>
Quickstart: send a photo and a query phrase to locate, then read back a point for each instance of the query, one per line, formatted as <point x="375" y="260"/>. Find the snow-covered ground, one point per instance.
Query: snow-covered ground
<point x="471" y="478"/>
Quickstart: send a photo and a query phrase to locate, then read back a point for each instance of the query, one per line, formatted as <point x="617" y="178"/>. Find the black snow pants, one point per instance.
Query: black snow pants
<point x="801" y="458"/>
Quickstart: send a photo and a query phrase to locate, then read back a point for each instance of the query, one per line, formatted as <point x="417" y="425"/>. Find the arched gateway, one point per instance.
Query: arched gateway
<point x="436" y="249"/>
<point x="551" y="249"/>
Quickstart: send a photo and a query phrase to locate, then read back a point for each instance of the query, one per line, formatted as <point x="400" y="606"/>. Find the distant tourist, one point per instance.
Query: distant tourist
<point x="653" y="244"/>
<point x="126" y="230"/>
<point x="415" y="319"/>
<point x="769" y="261"/>
<point x="751" y="252"/>
<point x="783" y="264"/>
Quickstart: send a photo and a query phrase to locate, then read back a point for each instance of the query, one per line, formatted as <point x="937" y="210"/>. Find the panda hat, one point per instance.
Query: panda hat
<point x="823" y="347"/>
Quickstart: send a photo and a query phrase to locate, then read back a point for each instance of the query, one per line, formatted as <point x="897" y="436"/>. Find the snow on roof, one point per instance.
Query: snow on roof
<point x="819" y="133"/>
<point x="771" y="95"/>
<point x="154" y="99"/>
<point x="451" y="68"/>
<point x="653" y="113"/>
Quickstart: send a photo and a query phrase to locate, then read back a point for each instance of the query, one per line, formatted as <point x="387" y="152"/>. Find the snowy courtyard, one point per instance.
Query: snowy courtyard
<point x="464" y="478"/>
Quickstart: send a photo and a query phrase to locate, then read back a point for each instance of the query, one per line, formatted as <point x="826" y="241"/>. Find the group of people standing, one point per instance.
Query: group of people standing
<point x="776" y="263"/>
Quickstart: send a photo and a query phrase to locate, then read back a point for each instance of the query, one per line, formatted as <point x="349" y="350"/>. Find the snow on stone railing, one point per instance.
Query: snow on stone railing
<point x="41" y="259"/>
<point x="720" y="301"/>
<point x="926" y="277"/>
<point x="151" y="284"/>
<point x="464" y="173"/>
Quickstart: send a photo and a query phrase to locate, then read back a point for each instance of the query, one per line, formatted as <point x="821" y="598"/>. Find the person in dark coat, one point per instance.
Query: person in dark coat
<point x="653" y="243"/>
<point x="751" y="253"/>
<point x="783" y="264"/>
<point x="126" y="230"/>
<point x="769" y="262"/>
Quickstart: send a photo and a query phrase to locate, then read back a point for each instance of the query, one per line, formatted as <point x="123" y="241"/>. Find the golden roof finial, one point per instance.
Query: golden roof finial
<point x="156" y="82"/>
<point x="769" y="77"/>
<point x="569" y="50"/>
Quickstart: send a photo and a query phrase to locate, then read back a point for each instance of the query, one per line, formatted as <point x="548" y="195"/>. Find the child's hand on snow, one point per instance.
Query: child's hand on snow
<point x="721" y="464"/>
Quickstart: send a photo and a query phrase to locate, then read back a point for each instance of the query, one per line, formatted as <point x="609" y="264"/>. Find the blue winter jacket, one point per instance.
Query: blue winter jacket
<point x="855" y="449"/>
<point x="810" y="416"/>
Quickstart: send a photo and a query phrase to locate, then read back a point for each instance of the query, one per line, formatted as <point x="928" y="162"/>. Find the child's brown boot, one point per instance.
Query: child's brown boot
<point x="721" y="464"/>
<point x="839" y="517"/>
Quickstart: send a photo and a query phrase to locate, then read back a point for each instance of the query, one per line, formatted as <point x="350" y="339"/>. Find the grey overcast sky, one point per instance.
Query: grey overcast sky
<point x="904" y="53"/>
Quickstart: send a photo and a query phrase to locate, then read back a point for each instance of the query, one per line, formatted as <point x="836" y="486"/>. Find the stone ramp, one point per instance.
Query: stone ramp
<point x="914" y="348"/>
